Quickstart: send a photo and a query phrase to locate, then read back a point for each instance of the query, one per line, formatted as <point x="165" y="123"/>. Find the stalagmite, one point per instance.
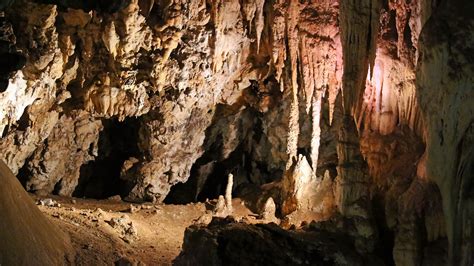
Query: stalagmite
<point x="223" y="206"/>
<point x="228" y="193"/>
<point x="316" y="131"/>
<point x="298" y="183"/>
<point x="220" y="209"/>
<point x="269" y="210"/>
<point x="158" y="101"/>
<point x="352" y="186"/>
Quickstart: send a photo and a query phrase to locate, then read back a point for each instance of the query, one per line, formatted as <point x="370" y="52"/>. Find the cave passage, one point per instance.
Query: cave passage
<point x="100" y="179"/>
<point x="208" y="178"/>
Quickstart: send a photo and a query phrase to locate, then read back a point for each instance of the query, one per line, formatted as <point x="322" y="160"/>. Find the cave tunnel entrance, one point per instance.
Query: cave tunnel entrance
<point x="208" y="176"/>
<point x="100" y="178"/>
<point x="216" y="182"/>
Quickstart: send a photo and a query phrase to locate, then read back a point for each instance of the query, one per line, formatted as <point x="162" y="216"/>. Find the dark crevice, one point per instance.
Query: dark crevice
<point x="101" y="178"/>
<point x="105" y="6"/>
<point x="216" y="182"/>
<point x="24" y="121"/>
<point x="24" y="174"/>
<point x="386" y="236"/>
<point x="407" y="38"/>
<point x="57" y="187"/>
<point x="208" y="177"/>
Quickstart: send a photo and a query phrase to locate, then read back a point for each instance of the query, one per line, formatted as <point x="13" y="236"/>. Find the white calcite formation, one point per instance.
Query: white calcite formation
<point x="169" y="97"/>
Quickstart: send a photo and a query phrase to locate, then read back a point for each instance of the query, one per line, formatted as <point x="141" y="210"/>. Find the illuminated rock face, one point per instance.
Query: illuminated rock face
<point x="169" y="97"/>
<point x="170" y="65"/>
<point x="445" y="86"/>
<point x="28" y="236"/>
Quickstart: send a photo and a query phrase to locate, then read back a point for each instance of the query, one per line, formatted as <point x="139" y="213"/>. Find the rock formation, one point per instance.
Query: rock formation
<point x="227" y="242"/>
<point x="445" y="89"/>
<point x="28" y="237"/>
<point x="269" y="210"/>
<point x="297" y="186"/>
<point x="355" y="113"/>
<point x="224" y="206"/>
<point x="228" y="192"/>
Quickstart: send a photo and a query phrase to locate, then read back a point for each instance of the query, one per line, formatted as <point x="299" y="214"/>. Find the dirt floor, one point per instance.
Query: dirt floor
<point x="154" y="237"/>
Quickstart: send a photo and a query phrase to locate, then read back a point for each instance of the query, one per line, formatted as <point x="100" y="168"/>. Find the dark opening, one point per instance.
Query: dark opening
<point x="216" y="182"/>
<point x="387" y="237"/>
<point x="208" y="177"/>
<point x="101" y="178"/>
<point x="24" y="174"/>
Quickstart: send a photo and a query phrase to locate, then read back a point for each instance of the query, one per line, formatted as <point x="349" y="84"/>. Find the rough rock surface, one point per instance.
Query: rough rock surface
<point x="225" y="242"/>
<point x="161" y="100"/>
<point x="125" y="228"/>
<point x="351" y="190"/>
<point x="445" y="88"/>
<point x="178" y="67"/>
<point x="27" y="236"/>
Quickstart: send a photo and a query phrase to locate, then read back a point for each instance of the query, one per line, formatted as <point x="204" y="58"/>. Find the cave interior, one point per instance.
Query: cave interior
<point x="237" y="132"/>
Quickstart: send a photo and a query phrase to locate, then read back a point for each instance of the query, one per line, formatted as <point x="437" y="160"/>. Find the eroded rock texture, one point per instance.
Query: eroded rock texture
<point x="230" y="243"/>
<point x="445" y="86"/>
<point x="354" y="111"/>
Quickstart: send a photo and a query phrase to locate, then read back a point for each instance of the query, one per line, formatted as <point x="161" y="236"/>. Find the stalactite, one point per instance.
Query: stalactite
<point x="293" y="45"/>
<point x="315" y="70"/>
<point x="259" y="21"/>
<point x="359" y="27"/>
<point x="293" y="129"/>
<point x="389" y="99"/>
<point x="278" y="40"/>
<point x="307" y="72"/>
<point x="111" y="39"/>
<point x="228" y="39"/>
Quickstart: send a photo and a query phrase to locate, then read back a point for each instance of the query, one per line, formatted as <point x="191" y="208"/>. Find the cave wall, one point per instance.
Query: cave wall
<point x="361" y="89"/>
<point x="169" y="65"/>
<point x="446" y="101"/>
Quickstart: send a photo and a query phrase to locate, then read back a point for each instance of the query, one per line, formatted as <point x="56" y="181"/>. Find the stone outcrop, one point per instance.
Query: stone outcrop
<point x="57" y="162"/>
<point x="303" y="192"/>
<point x="225" y="242"/>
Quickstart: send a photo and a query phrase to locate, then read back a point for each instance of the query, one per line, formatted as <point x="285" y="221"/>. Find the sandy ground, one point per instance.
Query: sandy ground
<point x="159" y="228"/>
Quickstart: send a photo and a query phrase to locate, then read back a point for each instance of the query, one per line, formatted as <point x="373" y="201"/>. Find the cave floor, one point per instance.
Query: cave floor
<point x="159" y="228"/>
